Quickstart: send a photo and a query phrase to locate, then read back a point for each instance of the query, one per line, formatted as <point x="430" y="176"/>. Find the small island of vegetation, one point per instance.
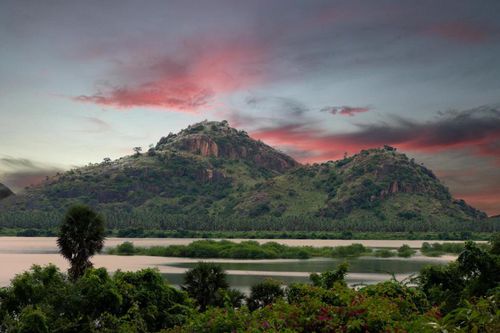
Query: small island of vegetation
<point x="272" y="250"/>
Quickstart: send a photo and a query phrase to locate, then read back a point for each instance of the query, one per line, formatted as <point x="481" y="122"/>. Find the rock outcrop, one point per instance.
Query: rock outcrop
<point x="219" y="140"/>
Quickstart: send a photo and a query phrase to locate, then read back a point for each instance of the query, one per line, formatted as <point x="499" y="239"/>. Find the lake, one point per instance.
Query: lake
<point x="18" y="254"/>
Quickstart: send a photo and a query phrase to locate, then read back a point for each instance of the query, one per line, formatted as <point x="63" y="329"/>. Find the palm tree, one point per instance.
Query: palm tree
<point x="206" y="283"/>
<point x="81" y="236"/>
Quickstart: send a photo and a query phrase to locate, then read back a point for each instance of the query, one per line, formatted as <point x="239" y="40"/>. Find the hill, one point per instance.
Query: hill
<point x="210" y="176"/>
<point x="5" y="191"/>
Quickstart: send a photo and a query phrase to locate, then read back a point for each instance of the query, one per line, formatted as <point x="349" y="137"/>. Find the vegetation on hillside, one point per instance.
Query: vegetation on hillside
<point x="212" y="177"/>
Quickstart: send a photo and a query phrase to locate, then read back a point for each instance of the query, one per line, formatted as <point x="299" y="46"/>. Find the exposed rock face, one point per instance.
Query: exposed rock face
<point x="5" y="192"/>
<point x="398" y="187"/>
<point x="217" y="139"/>
<point x="211" y="175"/>
<point x="199" y="144"/>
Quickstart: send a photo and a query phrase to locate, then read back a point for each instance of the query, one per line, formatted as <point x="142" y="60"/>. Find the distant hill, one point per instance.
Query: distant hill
<point x="5" y="191"/>
<point x="211" y="176"/>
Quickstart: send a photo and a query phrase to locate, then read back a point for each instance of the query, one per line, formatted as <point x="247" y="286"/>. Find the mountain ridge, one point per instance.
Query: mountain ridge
<point x="211" y="172"/>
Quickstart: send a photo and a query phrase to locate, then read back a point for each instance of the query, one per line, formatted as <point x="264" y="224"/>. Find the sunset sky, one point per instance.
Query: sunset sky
<point x="80" y="81"/>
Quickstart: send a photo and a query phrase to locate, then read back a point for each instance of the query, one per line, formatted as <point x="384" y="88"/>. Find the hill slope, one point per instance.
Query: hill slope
<point x="211" y="176"/>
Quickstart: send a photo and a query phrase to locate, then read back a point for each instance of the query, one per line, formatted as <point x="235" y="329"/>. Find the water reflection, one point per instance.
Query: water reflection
<point x="18" y="254"/>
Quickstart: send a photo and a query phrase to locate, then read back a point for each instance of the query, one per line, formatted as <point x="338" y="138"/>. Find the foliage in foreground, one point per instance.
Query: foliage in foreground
<point x="463" y="296"/>
<point x="45" y="300"/>
<point x="329" y="305"/>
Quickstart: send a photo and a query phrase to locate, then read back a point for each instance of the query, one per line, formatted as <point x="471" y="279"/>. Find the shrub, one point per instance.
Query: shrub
<point x="384" y="253"/>
<point x="126" y="248"/>
<point x="405" y="251"/>
<point x="265" y="293"/>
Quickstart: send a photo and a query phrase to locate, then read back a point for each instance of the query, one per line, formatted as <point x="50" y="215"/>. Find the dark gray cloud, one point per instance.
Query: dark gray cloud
<point x="476" y="131"/>
<point x="278" y="105"/>
<point x="18" y="173"/>
<point x="350" y="111"/>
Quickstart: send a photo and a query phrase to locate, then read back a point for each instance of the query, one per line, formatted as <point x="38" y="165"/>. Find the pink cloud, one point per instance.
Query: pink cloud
<point x="315" y="145"/>
<point x="463" y="32"/>
<point x="186" y="81"/>
<point x="164" y="95"/>
<point x="477" y="130"/>
<point x="486" y="201"/>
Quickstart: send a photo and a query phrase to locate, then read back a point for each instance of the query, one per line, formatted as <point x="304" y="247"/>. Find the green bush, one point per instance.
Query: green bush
<point x="126" y="248"/>
<point x="438" y="249"/>
<point x="265" y="293"/>
<point x="44" y="300"/>
<point x="405" y="251"/>
<point x="384" y="253"/>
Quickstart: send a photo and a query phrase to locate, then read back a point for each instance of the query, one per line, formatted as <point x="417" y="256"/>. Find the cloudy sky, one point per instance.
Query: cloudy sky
<point x="80" y="81"/>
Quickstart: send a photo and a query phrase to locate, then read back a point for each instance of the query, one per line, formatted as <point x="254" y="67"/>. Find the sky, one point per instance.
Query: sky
<point x="84" y="80"/>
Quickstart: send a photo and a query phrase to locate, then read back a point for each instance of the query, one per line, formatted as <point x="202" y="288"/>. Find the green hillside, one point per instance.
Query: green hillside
<point x="213" y="177"/>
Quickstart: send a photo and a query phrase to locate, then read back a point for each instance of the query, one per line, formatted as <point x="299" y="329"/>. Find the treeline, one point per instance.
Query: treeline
<point x="459" y="297"/>
<point x="152" y="220"/>
<point x="182" y="233"/>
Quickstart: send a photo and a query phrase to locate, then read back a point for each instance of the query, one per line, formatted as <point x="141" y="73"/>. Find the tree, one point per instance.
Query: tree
<point x="264" y="293"/>
<point x="495" y="244"/>
<point x="106" y="161"/>
<point x="81" y="235"/>
<point x="137" y="151"/>
<point x="33" y="321"/>
<point x="474" y="274"/>
<point x="206" y="283"/>
<point x="329" y="278"/>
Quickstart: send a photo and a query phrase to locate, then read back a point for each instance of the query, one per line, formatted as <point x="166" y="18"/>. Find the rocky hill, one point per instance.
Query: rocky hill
<point x="4" y="191"/>
<point x="212" y="176"/>
<point x="217" y="139"/>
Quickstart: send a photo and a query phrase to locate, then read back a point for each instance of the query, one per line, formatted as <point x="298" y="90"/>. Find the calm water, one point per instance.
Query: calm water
<point x="18" y="254"/>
